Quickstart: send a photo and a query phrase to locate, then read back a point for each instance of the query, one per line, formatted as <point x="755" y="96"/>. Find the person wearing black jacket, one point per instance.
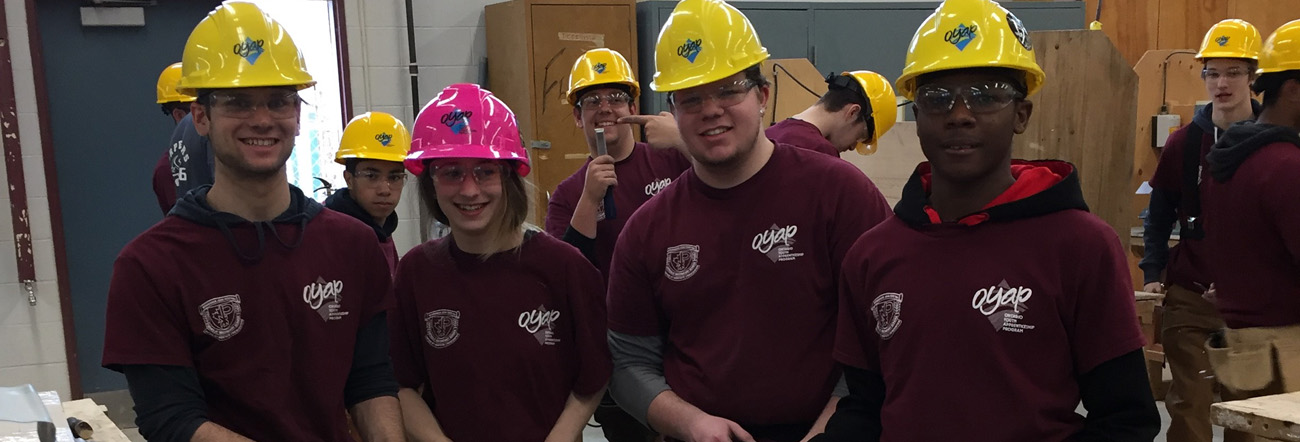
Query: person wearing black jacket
<point x="1230" y="53"/>
<point x="970" y="315"/>
<point x="371" y="151"/>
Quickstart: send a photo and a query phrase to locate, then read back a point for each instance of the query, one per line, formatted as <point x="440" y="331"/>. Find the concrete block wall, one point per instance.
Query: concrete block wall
<point x="31" y="337"/>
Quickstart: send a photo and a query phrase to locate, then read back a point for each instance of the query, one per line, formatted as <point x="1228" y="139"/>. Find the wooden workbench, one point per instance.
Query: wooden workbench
<point x="87" y="410"/>
<point x="1275" y="417"/>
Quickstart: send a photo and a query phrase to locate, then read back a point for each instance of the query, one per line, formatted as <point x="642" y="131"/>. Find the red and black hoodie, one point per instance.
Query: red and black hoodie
<point x="1002" y="321"/>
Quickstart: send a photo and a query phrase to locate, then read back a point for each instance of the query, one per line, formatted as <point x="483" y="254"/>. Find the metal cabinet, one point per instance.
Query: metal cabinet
<point x="836" y="36"/>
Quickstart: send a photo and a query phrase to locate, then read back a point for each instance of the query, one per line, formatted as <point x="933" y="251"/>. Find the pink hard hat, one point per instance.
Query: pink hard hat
<point x="466" y="121"/>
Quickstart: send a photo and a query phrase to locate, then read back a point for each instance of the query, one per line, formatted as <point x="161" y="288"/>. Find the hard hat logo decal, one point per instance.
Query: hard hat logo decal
<point x="383" y="138"/>
<point x="1018" y="28"/>
<point x="599" y="68"/>
<point x="690" y="49"/>
<point x="1222" y="40"/>
<point x="457" y="120"/>
<point x="250" y="49"/>
<point x="961" y="36"/>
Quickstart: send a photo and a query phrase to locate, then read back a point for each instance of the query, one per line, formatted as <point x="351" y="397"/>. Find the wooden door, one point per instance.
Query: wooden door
<point x="560" y="34"/>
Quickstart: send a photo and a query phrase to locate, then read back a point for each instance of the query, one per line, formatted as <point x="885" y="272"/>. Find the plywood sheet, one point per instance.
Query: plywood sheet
<point x="893" y="162"/>
<point x="1085" y="114"/>
<point x="788" y="97"/>
<point x="1275" y="417"/>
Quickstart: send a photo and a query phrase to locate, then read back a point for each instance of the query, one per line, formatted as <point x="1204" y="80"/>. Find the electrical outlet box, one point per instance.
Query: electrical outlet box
<point x="1161" y="126"/>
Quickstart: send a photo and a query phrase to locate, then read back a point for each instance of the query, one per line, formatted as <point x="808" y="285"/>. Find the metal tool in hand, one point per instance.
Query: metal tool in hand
<point x="601" y="150"/>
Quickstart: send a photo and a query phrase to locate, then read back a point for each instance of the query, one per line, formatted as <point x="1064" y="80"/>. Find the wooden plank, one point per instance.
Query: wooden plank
<point x="893" y="163"/>
<point x="1274" y="417"/>
<point x="787" y="97"/>
<point x="1182" y="23"/>
<point x="1179" y="90"/>
<point x="1072" y="122"/>
<point x="87" y="410"/>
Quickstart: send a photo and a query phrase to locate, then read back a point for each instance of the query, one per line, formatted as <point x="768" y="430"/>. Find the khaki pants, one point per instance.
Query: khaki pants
<point x="1257" y="361"/>
<point x="1187" y="323"/>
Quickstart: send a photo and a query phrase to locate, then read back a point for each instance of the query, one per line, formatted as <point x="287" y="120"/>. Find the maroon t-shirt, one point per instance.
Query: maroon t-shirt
<point x="1187" y="260"/>
<point x="163" y="186"/>
<point x="500" y="344"/>
<point x="640" y="176"/>
<point x="988" y="321"/>
<point x="803" y="134"/>
<point x="272" y="342"/>
<point x="1252" y="229"/>
<point x="741" y="283"/>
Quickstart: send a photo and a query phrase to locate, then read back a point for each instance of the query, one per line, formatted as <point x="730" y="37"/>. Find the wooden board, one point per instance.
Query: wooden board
<point x="788" y="97"/>
<point x="1275" y="417"/>
<point x="1139" y="26"/>
<point x="89" y="411"/>
<point x="1179" y="90"/>
<point x="1085" y="114"/>
<point x="893" y="163"/>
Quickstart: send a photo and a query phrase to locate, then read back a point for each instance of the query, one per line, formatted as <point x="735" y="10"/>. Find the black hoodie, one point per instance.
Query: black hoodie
<point x="1241" y="140"/>
<point x="341" y="201"/>
<point x="194" y="207"/>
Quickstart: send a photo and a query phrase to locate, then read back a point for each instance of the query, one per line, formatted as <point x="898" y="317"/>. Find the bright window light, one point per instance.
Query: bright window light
<point x="311" y="23"/>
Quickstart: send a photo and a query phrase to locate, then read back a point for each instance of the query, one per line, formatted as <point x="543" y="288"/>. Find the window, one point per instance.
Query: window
<point x="312" y="25"/>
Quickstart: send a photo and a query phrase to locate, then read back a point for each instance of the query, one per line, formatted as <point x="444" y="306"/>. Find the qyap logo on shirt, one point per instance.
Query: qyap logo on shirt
<point x="777" y="243"/>
<point x="326" y="298"/>
<point x="690" y="49"/>
<point x="250" y="49"/>
<point x="657" y="185"/>
<point x="457" y="120"/>
<point x="1004" y="306"/>
<point x="961" y="36"/>
<point x="540" y="323"/>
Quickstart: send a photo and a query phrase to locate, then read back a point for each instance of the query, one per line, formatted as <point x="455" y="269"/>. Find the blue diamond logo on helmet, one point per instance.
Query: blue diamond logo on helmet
<point x="961" y="36"/>
<point x="599" y="68"/>
<point x="384" y="138"/>
<point x="250" y="49"/>
<point x="1222" y="40"/>
<point x="690" y="49"/>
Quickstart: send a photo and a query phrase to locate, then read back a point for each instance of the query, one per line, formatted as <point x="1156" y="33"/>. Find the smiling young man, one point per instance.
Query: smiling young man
<point x="1230" y="53"/>
<point x="992" y="298"/>
<point x="602" y="90"/>
<point x="250" y="312"/>
<point x="722" y="290"/>
<point x="372" y="149"/>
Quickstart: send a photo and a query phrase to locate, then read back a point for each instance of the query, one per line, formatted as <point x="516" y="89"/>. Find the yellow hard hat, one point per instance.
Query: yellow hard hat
<point x="1282" y="49"/>
<point x="599" y="66"/>
<point x="237" y="45"/>
<point x="374" y="136"/>
<point x="965" y="34"/>
<point x="884" y="106"/>
<point x="167" y="82"/>
<point x="702" y="42"/>
<point x="1232" y="38"/>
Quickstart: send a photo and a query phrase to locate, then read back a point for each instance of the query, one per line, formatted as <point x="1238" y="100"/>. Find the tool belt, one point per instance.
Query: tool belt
<point x="1250" y="359"/>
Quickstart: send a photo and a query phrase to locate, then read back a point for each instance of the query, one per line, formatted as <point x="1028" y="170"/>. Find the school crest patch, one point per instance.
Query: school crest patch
<point x="682" y="262"/>
<point x="888" y="310"/>
<point x="441" y="327"/>
<point x="221" y="317"/>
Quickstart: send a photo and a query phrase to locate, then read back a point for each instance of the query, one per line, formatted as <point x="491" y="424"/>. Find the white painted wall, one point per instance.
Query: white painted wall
<point x="31" y="337"/>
